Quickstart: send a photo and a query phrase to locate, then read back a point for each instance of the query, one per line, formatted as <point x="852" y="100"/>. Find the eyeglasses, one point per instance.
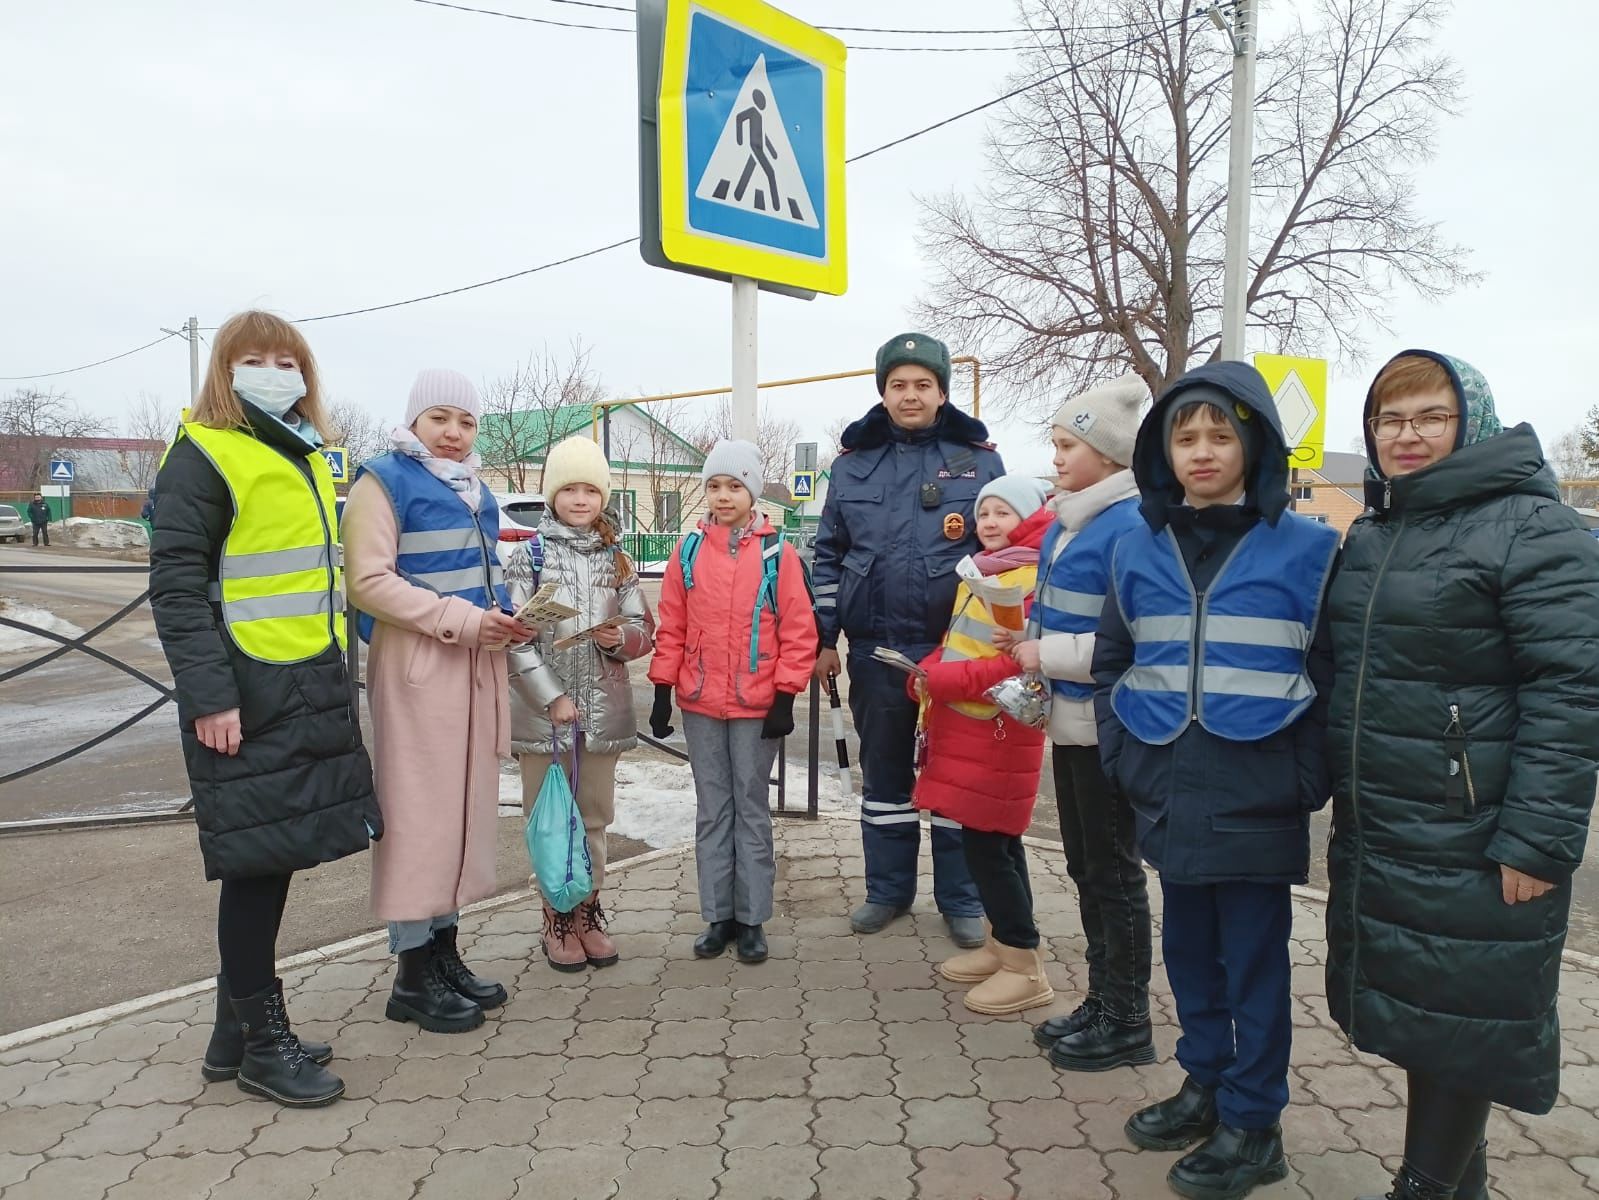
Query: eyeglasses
<point x="1427" y="425"/>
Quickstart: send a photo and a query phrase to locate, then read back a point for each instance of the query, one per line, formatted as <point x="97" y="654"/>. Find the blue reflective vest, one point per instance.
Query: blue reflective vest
<point x="1072" y="587"/>
<point x="1232" y="658"/>
<point x="444" y="546"/>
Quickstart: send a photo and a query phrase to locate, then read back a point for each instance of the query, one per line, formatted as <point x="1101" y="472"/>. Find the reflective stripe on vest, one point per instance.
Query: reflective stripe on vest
<point x="279" y="582"/>
<point x="1252" y="630"/>
<point x="970" y="634"/>
<point x="1071" y="594"/>
<point x="443" y="545"/>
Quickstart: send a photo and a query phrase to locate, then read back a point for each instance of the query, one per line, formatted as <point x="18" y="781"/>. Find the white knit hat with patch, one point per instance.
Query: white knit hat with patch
<point x="1106" y="417"/>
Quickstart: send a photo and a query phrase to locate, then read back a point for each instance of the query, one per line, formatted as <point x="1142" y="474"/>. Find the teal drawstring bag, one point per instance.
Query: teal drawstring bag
<point x="557" y="846"/>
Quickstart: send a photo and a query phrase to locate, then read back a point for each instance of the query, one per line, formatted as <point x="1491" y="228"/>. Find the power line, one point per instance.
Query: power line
<point x="98" y="363"/>
<point x="559" y="262"/>
<point x="628" y="241"/>
<point x="510" y="16"/>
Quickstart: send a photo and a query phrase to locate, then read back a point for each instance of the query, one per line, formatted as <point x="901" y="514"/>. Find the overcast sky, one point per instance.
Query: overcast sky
<point x="163" y="159"/>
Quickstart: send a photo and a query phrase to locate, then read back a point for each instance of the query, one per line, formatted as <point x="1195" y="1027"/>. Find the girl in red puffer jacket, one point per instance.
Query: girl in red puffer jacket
<point x="982" y="766"/>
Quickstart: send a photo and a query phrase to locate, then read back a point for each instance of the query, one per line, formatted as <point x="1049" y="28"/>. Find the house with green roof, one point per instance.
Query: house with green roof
<point x="655" y="470"/>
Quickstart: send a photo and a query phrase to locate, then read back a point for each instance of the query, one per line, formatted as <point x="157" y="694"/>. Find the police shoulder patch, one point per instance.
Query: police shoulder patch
<point x="946" y="474"/>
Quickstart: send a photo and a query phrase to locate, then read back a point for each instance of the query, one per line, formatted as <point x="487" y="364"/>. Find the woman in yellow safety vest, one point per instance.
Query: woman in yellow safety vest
<point x="246" y="589"/>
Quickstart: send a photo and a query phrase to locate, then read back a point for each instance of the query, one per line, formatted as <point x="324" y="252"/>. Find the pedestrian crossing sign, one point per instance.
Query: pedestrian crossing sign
<point x="803" y="485"/>
<point x="338" y="460"/>
<point x="751" y="129"/>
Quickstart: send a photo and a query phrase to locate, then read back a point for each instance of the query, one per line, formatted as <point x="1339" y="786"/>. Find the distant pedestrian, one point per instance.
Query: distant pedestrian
<point x="737" y="639"/>
<point x="581" y="691"/>
<point x="420" y="534"/>
<point x="248" y="600"/>
<point x="39" y="516"/>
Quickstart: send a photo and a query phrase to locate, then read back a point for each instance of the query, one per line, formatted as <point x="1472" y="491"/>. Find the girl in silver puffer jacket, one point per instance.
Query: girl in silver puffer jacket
<point x="583" y="690"/>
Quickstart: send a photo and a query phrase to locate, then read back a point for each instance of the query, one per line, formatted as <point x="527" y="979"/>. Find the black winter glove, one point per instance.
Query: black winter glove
<point x="661" y="714"/>
<point x="780" y="719"/>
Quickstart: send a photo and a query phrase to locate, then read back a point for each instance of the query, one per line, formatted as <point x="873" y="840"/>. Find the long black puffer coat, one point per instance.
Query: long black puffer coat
<point x="1464" y="731"/>
<point x="299" y="792"/>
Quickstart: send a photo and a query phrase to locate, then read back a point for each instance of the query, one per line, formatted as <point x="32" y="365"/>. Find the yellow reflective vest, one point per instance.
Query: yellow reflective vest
<point x="971" y="629"/>
<point x="279" y="582"/>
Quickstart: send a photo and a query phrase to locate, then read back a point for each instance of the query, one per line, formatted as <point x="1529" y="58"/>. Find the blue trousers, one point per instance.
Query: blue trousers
<point x="410" y="935"/>
<point x="891" y="828"/>
<point x="1226" y="949"/>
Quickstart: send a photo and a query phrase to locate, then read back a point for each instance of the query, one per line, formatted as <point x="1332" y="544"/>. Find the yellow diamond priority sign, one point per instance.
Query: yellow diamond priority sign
<point x="1299" y="388"/>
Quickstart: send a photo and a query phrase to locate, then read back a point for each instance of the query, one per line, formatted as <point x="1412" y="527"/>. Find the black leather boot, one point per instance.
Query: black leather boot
<point x="1230" y="1163"/>
<point x="274" y="1063"/>
<point x="1103" y="1044"/>
<point x="485" y="993"/>
<point x="1052" y="1030"/>
<point x="422" y="994"/>
<point x="1408" y="1185"/>
<point x="226" y="1051"/>
<point x="751" y="944"/>
<point x="715" y="938"/>
<point x="1177" y="1123"/>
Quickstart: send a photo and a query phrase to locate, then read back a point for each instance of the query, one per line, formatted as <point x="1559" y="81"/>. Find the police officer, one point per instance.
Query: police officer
<point x="898" y="518"/>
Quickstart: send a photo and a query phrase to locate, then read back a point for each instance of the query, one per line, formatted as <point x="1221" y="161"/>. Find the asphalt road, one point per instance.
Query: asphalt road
<point x="46" y="711"/>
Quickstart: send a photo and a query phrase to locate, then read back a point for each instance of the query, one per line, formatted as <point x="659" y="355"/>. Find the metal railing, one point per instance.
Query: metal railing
<point x="165" y="695"/>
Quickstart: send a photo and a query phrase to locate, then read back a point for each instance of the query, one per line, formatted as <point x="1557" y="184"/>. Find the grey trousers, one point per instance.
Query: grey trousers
<point x="409" y="935"/>
<point x="733" y="826"/>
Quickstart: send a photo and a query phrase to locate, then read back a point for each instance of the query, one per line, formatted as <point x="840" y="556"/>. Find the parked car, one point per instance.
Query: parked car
<point x="12" y="525"/>
<point x="520" y="511"/>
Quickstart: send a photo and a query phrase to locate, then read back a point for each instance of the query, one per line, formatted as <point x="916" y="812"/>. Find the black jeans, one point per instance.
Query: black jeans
<point x="1443" y="1127"/>
<point x="41" y="531"/>
<point x="999" y="868"/>
<point x="1096" y="830"/>
<point x="249" y="912"/>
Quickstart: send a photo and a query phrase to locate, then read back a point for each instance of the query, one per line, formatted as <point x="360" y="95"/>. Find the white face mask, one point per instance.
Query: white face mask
<point x="271" y="389"/>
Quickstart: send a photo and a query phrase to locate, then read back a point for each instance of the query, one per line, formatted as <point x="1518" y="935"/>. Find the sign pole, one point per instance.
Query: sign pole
<point x="746" y="418"/>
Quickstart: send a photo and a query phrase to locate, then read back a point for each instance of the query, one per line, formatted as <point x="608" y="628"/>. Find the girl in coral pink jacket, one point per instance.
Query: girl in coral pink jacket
<point x="736" y="637"/>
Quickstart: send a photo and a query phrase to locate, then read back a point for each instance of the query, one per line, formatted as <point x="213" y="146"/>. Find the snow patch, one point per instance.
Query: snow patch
<point x="106" y="535"/>
<point x="655" y="801"/>
<point x="15" y="640"/>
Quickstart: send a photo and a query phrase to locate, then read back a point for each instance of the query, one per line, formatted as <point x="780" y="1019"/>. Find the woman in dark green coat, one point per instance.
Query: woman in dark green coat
<point x="1464" y="730"/>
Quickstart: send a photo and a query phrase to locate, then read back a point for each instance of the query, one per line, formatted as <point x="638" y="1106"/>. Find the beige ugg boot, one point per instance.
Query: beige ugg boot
<point x="973" y="966"/>
<point x="1018" y="984"/>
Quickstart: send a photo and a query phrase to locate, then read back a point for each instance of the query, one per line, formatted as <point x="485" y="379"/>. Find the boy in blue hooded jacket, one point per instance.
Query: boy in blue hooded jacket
<point x="1212" y="669"/>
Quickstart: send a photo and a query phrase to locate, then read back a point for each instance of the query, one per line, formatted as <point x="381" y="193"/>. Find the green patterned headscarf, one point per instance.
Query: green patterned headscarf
<point x="1479" y="421"/>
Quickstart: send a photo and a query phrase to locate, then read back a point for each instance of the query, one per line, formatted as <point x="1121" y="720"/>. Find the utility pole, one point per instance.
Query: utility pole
<point x="191" y="331"/>
<point x="1240" y="174"/>
<point x="745" y="404"/>
<point x="194" y="354"/>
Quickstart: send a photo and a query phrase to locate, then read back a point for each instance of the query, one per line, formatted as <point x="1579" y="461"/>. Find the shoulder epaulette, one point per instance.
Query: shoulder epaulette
<point x="985" y="445"/>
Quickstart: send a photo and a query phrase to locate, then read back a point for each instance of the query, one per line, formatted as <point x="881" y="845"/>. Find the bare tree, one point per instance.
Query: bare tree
<point x="656" y="446"/>
<point x="1097" y="243"/>
<point x="522" y="410"/>
<point x="360" y="433"/>
<point x="1588" y="435"/>
<point x="775" y="437"/>
<point x="1571" y="462"/>
<point x="152" y="421"/>
<point x="33" y="425"/>
<point x="834" y="445"/>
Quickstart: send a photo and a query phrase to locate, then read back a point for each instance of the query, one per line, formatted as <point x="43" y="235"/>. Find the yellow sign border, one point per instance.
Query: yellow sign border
<point x="682" y="244"/>
<point x="795" y="477"/>
<point x="1310" y="453"/>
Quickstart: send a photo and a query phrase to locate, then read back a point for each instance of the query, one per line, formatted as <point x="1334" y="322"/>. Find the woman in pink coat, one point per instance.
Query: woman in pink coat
<point x="419" y="536"/>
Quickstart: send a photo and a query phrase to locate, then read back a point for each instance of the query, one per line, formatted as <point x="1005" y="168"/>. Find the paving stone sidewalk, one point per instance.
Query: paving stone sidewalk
<point x="844" y="1067"/>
